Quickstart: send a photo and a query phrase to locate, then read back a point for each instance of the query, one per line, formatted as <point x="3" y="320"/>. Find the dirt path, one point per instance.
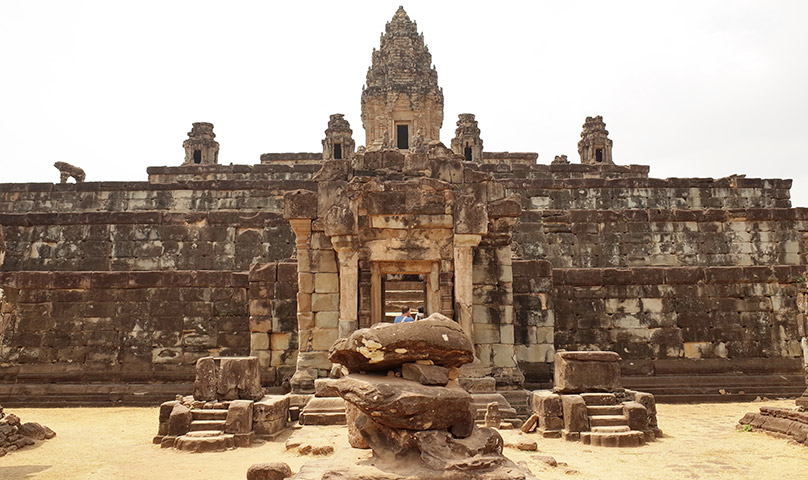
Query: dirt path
<point x="115" y="443"/>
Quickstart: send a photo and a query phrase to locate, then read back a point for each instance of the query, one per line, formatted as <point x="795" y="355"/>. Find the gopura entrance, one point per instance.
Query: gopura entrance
<point x="387" y="214"/>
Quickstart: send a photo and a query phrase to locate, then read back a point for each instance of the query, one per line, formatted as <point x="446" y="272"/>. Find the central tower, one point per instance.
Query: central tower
<point x="401" y="101"/>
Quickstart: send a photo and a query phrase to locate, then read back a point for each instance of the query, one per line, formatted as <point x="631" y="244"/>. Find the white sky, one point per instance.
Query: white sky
<point x="692" y="88"/>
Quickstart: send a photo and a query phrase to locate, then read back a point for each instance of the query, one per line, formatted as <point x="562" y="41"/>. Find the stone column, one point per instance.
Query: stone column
<point x="463" y="281"/>
<point x="375" y="293"/>
<point x="303" y="381"/>
<point x="348" y="257"/>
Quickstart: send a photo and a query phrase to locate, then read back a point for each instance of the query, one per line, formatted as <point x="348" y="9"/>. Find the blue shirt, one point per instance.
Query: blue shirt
<point x="403" y="318"/>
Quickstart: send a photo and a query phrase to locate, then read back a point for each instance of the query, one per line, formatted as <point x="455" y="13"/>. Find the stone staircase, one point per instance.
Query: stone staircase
<point x="207" y="431"/>
<point x="401" y="293"/>
<point x="608" y="425"/>
<point x="323" y="411"/>
<point x="508" y="415"/>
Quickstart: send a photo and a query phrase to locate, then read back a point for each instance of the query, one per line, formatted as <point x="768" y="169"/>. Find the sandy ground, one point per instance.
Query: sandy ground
<point x="115" y="443"/>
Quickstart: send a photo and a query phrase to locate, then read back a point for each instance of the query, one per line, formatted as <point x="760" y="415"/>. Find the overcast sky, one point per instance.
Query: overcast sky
<point x="691" y="88"/>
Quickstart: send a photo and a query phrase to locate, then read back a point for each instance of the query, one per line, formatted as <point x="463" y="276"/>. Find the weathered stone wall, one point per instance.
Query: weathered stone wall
<point x="534" y="319"/>
<point x="273" y="319"/>
<point x="610" y="238"/>
<point x="131" y="241"/>
<point x="198" y="196"/>
<point x="597" y="193"/>
<point x="285" y="170"/>
<point x="683" y="319"/>
<point x="120" y="326"/>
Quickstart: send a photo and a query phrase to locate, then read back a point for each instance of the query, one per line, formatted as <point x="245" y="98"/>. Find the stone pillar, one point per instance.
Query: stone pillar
<point x="463" y="281"/>
<point x="303" y="381"/>
<point x="348" y="257"/>
<point x="376" y="313"/>
<point x="433" y="297"/>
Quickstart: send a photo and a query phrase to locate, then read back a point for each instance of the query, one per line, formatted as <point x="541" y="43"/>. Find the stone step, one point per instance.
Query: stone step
<point x="200" y="425"/>
<point x="599" y="399"/>
<point x="209" y="414"/>
<point x="392" y="285"/>
<point x="631" y="438"/>
<point x="698" y="388"/>
<point x="604" y="410"/>
<point x="322" y="418"/>
<point x="205" y="441"/>
<point x="607" y="420"/>
<point x="615" y="429"/>
<point x="403" y="295"/>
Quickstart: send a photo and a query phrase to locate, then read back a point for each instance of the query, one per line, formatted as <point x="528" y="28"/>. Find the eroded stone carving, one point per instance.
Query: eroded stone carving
<point x="66" y="171"/>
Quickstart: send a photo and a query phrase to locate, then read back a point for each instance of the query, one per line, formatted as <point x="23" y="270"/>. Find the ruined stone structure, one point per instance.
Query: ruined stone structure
<point x="401" y="96"/>
<point x="338" y="143"/>
<point x="595" y="147"/>
<point x="200" y="147"/>
<point x="588" y="403"/>
<point x="67" y="171"/>
<point x="228" y="408"/>
<point x="121" y="287"/>
<point x="467" y="141"/>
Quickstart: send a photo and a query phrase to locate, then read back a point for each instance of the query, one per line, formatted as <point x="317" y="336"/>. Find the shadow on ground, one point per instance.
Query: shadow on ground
<point x="22" y="472"/>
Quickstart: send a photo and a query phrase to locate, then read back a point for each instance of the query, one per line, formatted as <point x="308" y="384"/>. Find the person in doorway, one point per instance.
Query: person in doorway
<point x="404" y="317"/>
<point x="420" y="314"/>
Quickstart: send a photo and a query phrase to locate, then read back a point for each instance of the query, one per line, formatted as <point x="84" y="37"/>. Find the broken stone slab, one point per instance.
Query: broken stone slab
<point x="179" y="421"/>
<point x="270" y="414"/>
<point x="386" y="346"/>
<point x="207" y="379"/>
<point x="425" y="374"/>
<point x="239" y="417"/>
<point x="239" y="378"/>
<point x="576" y="417"/>
<point x="578" y="372"/>
<point x="399" y="403"/>
<point x="269" y="471"/>
<point x="355" y="438"/>
<point x="325" y="387"/>
<point x="36" y="431"/>
<point x="637" y="416"/>
<point x="440" y="451"/>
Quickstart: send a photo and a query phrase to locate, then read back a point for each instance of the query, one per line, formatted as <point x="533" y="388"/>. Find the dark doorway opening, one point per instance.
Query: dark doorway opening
<point x="403" y="137"/>
<point x="197" y="156"/>
<point x="467" y="153"/>
<point x="337" y="151"/>
<point x="598" y="155"/>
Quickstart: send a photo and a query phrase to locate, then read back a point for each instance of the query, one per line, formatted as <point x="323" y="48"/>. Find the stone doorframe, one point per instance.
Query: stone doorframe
<point x="429" y="268"/>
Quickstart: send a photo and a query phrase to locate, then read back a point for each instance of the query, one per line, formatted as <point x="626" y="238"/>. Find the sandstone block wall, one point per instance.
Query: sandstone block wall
<point x="684" y="319"/>
<point x="120" y="326"/>
<point x="534" y="319"/>
<point x="154" y="240"/>
<point x="624" y="238"/>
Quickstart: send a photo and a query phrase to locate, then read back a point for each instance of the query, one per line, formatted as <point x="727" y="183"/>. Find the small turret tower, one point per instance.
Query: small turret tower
<point x="338" y="143"/>
<point x="467" y="141"/>
<point x="401" y="95"/>
<point x="200" y="147"/>
<point x="595" y="147"/>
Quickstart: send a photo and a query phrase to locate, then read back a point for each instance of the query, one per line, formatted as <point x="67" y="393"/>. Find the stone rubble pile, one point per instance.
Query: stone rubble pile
<point x="588" y="404"/>
<point x="780" y="422"/>
<point x="403" y="402"/>
<point x="15" y="435"/>
<point x="227" y="410"/>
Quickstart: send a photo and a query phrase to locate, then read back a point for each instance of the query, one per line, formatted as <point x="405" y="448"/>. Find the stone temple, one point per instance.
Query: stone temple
<point x="111" y="291"/>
